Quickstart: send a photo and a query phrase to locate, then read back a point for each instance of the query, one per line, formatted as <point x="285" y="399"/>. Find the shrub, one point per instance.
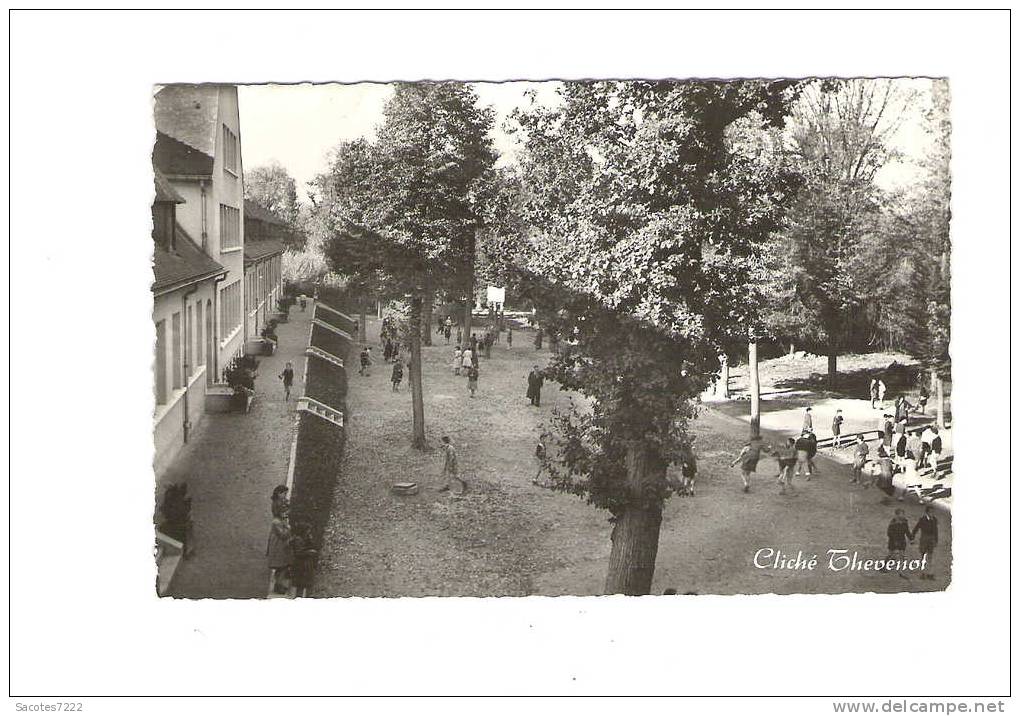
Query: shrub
<point x="330" y="342"/>
<point x="320" y="444"/>
<point x="320" y="448"/>
<point x="240" y="374"/>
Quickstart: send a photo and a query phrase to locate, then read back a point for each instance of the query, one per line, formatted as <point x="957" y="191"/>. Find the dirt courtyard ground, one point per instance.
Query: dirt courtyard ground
<point x="510" y="537"/>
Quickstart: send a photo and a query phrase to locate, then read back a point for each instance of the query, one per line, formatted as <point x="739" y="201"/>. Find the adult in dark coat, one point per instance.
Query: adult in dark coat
<point x="535" y="381"/>
<point x="928" y="526"/>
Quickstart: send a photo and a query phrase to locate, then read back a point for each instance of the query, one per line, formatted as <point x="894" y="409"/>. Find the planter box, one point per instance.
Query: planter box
<point x="220" y="398"/>
<point x="260" y="347"/>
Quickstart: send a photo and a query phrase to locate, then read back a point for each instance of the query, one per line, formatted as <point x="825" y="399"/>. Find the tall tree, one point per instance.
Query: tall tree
<point x="646" y="221"/>
<point x="413" y="189"/>
<point x="927" y="214"/>
<point x="839" y="139"/>
<point x="272" y="187"/>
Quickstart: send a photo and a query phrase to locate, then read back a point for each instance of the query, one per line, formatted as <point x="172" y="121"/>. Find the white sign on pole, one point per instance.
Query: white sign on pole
<point x="496" y="295"/>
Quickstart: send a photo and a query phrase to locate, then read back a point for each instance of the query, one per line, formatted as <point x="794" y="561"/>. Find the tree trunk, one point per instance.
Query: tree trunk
<point x="752" y="376"/>
<point x="832" y="370"/>
<point x="417" y="404"/>
<point x="378" y="310"/>
<point x="792" y="351"/>
<point x="940" y="407"/>
<point x="636" y="532"/>
<point x="724" y="377"/>
<point x="469" y="288"/>
<point x="426" y="320"/>
<point x="362" y="321"/>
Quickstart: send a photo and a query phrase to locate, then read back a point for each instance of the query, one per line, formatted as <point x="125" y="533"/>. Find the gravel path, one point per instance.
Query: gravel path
<point x="231" y="466"/>
<point x="509" y="537"/>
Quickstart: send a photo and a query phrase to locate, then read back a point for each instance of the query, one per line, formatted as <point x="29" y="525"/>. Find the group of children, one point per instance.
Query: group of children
<point x="290" y="551"/>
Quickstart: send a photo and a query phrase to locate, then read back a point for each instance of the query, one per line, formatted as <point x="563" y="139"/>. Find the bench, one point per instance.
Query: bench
<point x="848" y="439"/>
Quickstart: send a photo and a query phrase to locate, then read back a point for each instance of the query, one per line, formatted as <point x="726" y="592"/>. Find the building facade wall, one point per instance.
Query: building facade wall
<point x="228" y="190"/>
<point x="181" y="363"/>
<point x="263" y="288"/>
<point x="225" y="188"/>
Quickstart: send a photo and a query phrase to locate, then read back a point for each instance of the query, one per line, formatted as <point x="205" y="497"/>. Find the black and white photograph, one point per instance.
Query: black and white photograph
<point x="561" y="338"/>
<point x="510" y="353"/>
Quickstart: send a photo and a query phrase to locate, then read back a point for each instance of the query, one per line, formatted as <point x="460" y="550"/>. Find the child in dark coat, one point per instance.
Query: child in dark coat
<point x="398" y="375"/>
<point x="305" y="555"/>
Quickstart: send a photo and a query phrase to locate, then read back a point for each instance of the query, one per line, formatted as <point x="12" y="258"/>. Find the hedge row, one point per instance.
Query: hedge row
<point x="336" y="321"/>
<point x="320" y="443"/>
<point x="330" y="342"/>
<point x="320" y="449"/>
<point x="326" y="382"/>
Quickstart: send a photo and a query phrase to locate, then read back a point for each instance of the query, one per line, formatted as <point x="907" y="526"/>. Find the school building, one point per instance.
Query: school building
<point x="199" y="261"/>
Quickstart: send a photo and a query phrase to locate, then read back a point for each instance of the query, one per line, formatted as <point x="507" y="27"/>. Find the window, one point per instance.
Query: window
<point x="230" y="227"/>
<point x="199" y="351"/>
<point x="161" y="362"/>
<point x="175" y="350"/>
<point x="188" y="346"/>
<point x="230" y="308"/>
<point x="163" y="221"/>
<point x="229" y="150"/>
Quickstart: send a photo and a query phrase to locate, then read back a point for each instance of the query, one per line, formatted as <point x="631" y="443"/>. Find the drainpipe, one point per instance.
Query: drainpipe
<point x="187" y="352"/>
<point x="205" y="220"/>
<point x="216" y="327"/>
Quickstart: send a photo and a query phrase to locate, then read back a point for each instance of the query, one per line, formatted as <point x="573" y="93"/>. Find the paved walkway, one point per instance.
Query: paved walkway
<point x="231" y="467"/>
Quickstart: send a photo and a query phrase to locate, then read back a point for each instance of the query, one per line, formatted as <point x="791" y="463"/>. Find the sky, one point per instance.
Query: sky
<point x="298" y="125"/>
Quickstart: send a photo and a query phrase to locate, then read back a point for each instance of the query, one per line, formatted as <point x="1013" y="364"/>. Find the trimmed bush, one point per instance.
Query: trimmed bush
<point x="326" y="383"/>
<point x="320" y="444"/>
<point x="327" y="316"/>
<point x="330" y="342"/>
<point x="320" y="449"/>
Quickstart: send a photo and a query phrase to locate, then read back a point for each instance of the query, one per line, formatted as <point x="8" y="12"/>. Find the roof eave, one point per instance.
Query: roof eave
<point x="177" y="285"/>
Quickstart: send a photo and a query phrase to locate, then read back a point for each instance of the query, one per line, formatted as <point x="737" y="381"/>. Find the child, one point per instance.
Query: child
<point x="473" y="379"/>
<point x="450" y="467"/>
<point x="457" y="360"/>
<point x="287" y="376"/>
<point x="540" y="451"/>
<point x="885" y="472"/>
<point x="748" y="459"/>
<point x="278" y="553"/>
<point x="928" y="526"/>
<point x="898" y="531"/>
<point x="837" y="425"/>
<point x="366" y="361"/>
<point x="923" y="395"/>
<point x="860" y="460"/>
<point x="806" y="448"/>
<point x="787" y="457"/>
<point x="398" y="375"/>
<point x="305" y="555"/>
<point x="280" y="503"/>
<point x="936" y="447"/>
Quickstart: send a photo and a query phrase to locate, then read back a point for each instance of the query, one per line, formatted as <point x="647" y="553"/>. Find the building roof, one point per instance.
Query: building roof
<point x="164" y="191"/>
<point x="256" y="250"/>
<point x="190" y="114"/>
<point x="174" y="157"/>
<point x="255" y="211"/>
<point x="187" y="264"/>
